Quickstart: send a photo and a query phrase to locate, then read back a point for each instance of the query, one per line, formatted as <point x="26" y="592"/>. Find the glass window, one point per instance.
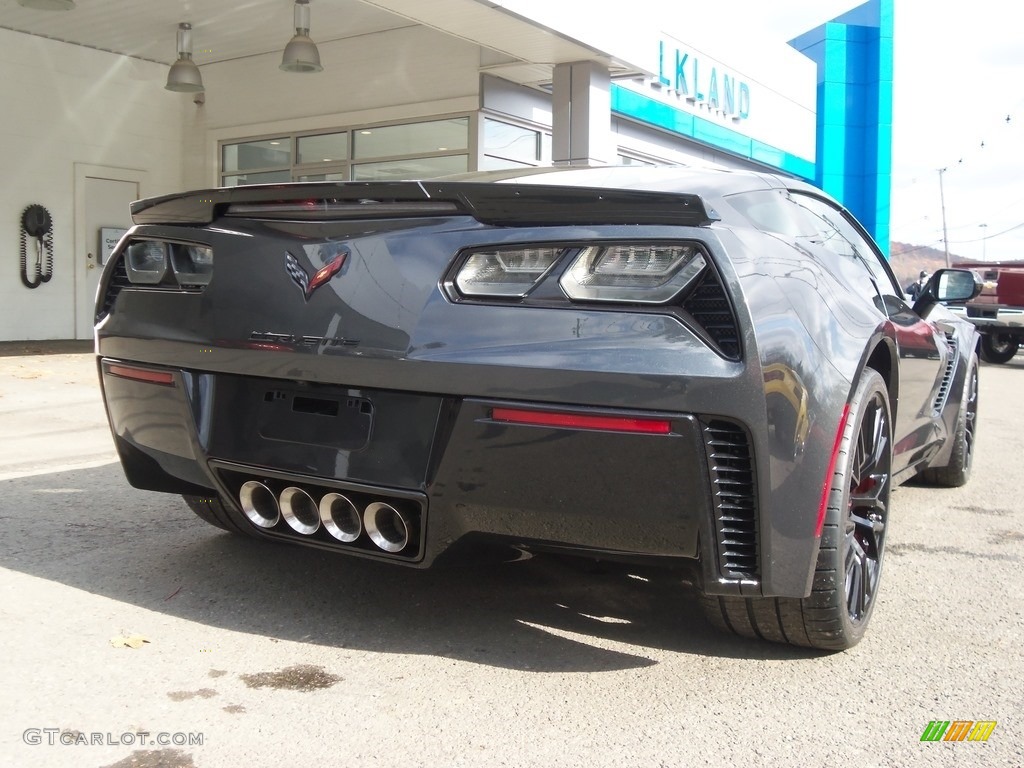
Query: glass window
<point x="412" y="138"/>
<point x="333" y="176"/>
<point x="827" y="223"/>
<point x="413" y="168"/>
<point x="816" y="224"/>
<point x="268" y="177"/>
<point x="775" y="212"/>
<point x="489" y="163"/>
<point x="417" y="150"/>
<point x="842" y="236"/>
<point x="256" y="155"/>
<point x="511" y="142"/>
<point x="322" y="148"/>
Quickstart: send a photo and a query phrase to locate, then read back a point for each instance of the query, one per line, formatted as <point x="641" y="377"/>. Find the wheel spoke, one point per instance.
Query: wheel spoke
<point x="862" y="459"/>
<point x="851" y="554"/>
<point x="970" y="415"/>
<point x="879" y="439"/>
<point x="873" y="571"/>
<point x="870" y="484"/>
<point x="856" y="584"/>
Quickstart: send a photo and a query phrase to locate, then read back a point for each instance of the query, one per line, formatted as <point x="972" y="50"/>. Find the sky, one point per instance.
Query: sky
<point x="958" y="73"/>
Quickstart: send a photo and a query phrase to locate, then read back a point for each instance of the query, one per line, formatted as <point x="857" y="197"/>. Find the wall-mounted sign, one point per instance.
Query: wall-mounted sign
<point x="109" y="238"/>
<point x="717" y="90"/>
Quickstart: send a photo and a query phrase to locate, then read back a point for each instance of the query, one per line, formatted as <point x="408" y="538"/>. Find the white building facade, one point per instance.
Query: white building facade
<point x="429" y="89"/>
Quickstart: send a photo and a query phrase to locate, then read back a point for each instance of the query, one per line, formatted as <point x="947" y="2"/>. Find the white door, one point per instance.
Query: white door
<point x="102" y="197"/>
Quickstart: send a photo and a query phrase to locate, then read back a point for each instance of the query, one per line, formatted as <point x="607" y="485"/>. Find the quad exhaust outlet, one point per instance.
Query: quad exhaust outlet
<point x="300" y="511"/>
<point x="387" y="527"/>
<point x="344" y="518"/>
<point x="259" y="504"/>
<point x="340" y="517"/>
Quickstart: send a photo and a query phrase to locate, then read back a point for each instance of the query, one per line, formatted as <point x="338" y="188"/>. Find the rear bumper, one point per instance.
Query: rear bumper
<point x="446" y="461"/>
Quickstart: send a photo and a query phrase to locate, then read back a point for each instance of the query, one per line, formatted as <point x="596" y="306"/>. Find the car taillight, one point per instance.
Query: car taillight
<point x="647" y="274"/>
<point x="146" y="262"/>
<point x="506" y="272"/>
<point x="147" y="375"/>
<point x="567" y="420"/>
<point x="153" y="262"/>
<point x="192" y="264"/>
<point x="625" y="273"/>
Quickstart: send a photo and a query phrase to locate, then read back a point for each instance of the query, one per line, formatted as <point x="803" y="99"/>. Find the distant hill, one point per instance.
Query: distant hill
<point x="907" y="260"/>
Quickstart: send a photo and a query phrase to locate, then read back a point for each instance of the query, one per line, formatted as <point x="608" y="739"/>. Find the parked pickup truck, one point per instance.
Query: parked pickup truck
<point x="998" y="311"/>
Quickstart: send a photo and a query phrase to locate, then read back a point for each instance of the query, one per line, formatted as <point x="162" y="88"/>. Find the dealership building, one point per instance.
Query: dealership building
<point x="406" y="89"/>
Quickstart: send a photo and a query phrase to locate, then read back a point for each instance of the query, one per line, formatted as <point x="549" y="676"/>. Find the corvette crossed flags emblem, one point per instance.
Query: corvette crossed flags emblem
<point x="309" y="284"/>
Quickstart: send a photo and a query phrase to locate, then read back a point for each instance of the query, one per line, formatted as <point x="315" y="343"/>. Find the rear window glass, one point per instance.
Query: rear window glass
<point x="774" y="211"/>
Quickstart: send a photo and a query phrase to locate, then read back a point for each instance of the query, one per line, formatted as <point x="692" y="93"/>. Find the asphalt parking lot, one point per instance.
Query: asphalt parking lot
<point x="134" y="635"/>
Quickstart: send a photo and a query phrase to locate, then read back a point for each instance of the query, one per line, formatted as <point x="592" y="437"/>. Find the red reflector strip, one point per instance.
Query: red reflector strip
<point x="826" y="487"/>
<point x="142" y="374"/>
<point x="582" y="421"/>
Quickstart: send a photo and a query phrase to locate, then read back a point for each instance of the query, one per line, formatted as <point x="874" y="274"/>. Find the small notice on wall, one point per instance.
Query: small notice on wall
<point x="109" y="238"/>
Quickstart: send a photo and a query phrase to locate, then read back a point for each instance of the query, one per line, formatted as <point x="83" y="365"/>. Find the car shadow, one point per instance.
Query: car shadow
<point x="88" y="530"/>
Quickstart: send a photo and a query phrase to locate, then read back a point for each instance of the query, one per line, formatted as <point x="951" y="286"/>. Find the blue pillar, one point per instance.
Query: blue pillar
<point x="854" y="132"/>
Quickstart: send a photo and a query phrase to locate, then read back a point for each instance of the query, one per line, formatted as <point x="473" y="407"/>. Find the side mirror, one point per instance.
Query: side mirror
<point x="948" y="285"/>
<point x="955" y="285"/>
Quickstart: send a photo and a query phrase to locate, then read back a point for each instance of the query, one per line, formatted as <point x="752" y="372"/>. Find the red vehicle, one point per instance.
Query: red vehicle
<point x="998" y="312"/>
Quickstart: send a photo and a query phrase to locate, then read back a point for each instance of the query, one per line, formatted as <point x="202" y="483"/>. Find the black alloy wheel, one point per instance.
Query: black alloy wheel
<point x="844" y="590"/>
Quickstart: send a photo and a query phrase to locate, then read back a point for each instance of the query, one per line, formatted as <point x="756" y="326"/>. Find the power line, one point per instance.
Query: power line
<point x="970" y="155"/>
<point x="986" y="238"/>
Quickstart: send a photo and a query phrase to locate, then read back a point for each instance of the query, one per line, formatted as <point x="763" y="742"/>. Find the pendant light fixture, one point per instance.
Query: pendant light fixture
<point x="184" y="75"/>
<point x="301" y="55"/>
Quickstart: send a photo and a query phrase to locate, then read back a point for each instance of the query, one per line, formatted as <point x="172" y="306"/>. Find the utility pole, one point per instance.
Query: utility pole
<point x="983" y="239"/>
<point x="942" y="199"/>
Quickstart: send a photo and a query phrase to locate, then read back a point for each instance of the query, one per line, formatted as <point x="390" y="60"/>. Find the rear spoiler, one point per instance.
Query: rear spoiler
<point x="490" y="203"/>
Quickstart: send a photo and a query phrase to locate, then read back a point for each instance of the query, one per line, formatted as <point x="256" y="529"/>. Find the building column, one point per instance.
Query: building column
<point x="854" y="54"/>
<point x="582" y="115"/>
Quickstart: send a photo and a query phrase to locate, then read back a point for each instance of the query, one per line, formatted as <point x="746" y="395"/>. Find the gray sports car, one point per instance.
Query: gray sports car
<point x="699" y="368"/>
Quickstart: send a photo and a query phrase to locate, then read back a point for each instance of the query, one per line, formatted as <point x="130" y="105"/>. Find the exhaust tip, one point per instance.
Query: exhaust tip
<point x="387" y="527"/>
<point x="300" y="511"/>
<point x="340" y="517"/>
<point x="259" y="504"/>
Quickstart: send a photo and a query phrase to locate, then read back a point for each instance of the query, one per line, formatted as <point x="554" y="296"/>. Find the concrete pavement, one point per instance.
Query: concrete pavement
<point x="273" y="655"/>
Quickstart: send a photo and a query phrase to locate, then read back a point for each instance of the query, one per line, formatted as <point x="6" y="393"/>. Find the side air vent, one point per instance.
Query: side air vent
<point x="730" y="465"/>
<point x="710" y="307"/>
<point x="118" y="282"/>
<point x="947" y="376"/>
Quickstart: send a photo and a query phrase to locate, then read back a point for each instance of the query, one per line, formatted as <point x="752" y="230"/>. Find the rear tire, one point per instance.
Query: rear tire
<point x="998" y="348"/>
<point x="958" y="471"/>
<point x="849" y="566"/>
<point x="210" y="509"/>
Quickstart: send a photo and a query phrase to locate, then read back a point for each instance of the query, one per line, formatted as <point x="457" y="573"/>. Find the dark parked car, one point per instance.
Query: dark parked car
<point x="697" y="368"/>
